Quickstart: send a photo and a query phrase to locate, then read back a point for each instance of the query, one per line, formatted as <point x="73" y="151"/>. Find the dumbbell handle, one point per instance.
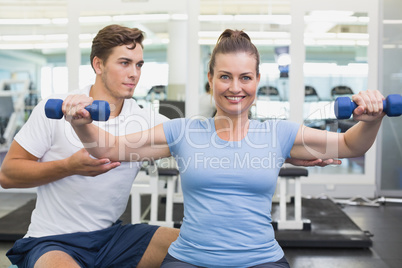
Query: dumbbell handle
<point x="99" y="110"/>
<point x="344" y="106"/>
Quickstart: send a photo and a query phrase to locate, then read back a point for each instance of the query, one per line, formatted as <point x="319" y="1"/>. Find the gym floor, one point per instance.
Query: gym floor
<point x="384" y="222"/>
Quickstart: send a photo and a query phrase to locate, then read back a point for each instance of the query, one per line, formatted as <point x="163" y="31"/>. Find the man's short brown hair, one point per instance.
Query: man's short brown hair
<point x="112" y="36"/>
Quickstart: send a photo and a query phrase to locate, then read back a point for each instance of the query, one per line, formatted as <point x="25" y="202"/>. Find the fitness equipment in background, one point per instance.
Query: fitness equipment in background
<point x="99" y="110"/>
<point x="344" y="106"/>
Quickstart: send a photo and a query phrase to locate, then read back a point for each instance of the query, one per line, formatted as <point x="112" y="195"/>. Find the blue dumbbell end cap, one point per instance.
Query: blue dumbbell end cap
<point x="53" y="109"/>
<point x="100" y="110"/>
<point x="343" y="108"/>
<point x="394" y="105"/>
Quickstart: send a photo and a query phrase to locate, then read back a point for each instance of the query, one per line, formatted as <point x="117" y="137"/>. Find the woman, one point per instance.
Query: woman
<point x="229" y="164"/>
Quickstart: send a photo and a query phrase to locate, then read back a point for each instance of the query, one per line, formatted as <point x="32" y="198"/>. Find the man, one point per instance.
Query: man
<point x="79" y="198"/>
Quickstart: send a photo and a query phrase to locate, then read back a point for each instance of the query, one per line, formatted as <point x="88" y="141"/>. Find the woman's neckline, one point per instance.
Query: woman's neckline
<point x="232" y="141"/>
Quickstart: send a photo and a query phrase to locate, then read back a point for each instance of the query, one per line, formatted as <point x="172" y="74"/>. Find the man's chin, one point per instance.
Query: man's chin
<point x="129" y="95"/>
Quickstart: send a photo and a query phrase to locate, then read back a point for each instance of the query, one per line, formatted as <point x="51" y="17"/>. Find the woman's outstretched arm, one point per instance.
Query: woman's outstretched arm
<point x="356" y="141"/>
<point x="146" y="145"/>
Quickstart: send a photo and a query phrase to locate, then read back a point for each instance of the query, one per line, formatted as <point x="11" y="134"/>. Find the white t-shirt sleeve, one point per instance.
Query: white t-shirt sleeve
<point x="35" y="136"/>
<point x="159" y="119"/>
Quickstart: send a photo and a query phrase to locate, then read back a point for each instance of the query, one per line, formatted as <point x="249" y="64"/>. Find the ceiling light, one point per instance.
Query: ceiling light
<point x="24" y="21"/>
<point x="274" y="19"/>
<point x="331" y="13"/>
<point x="336" y="42"/>
<point x="362" y="43"/>
<point x="95" y="19"/>
<point x="320" y="35"/>
<point x="87" y="36"/>
<point x="269" y="35"/>
<point x="282" y="42"/>
<point x="206" y="42"/>
<point x="179" y="17"/>
<point x="331" y="19"/>
<point x="215" y="17"/>
<point x="16" y="46"/>
<point x="363" y="19"/>
<point x="388" y="46"/>
<point x="22" y="37"/>
<point x="353" y="35"/>
<point x="85" y="45"/>
<point x="142" y="17"/>
<point x="392" y="21"/>
<point x="214" y="34"/>
<point x="335" y="16"/>
<point x="56" y="37"/>
<point x="262" y="42"/>
<point x="50" y="45"/>
<point x="60" y="21"/>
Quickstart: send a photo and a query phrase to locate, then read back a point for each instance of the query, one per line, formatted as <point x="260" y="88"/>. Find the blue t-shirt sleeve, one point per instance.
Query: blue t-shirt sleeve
<point x="286" y="132"/>
<point x="174" y="133"/>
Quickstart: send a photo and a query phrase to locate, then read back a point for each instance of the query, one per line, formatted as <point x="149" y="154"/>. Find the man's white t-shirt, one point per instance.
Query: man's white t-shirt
<point x="80" y="203"/>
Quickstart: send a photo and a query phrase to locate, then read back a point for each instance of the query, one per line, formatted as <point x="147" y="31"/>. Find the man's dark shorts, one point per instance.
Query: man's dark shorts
<point x="117" y="246"/>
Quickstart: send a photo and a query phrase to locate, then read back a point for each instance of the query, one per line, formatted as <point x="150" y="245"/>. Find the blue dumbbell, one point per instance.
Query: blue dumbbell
<point x="344" y="106"/>
<point x="99" y="110"/>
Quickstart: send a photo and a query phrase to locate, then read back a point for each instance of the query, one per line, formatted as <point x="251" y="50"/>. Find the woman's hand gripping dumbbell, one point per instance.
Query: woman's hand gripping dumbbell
<point x="99" y="110"/>
<point x="344" y="106"/>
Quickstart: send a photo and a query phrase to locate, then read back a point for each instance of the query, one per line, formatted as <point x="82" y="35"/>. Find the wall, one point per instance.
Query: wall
<point x="390" y="160"/>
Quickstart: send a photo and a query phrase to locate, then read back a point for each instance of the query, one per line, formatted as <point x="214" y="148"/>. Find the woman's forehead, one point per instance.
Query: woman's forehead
<point x="239" y="60"/>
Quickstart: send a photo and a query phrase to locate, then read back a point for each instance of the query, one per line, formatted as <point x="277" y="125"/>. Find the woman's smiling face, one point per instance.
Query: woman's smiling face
<point x="234" y="82"/>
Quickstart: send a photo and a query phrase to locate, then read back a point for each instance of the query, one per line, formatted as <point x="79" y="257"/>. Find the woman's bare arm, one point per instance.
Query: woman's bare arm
<point x="146" y="145"/>
<point x="356" y="141"/>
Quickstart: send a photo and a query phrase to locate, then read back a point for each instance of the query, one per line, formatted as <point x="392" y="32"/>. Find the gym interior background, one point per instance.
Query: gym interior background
<point x="312" y="51"/>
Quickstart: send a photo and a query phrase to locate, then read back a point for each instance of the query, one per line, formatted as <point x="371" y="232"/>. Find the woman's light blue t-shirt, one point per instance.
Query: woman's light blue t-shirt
<point x="227" y="190"/>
